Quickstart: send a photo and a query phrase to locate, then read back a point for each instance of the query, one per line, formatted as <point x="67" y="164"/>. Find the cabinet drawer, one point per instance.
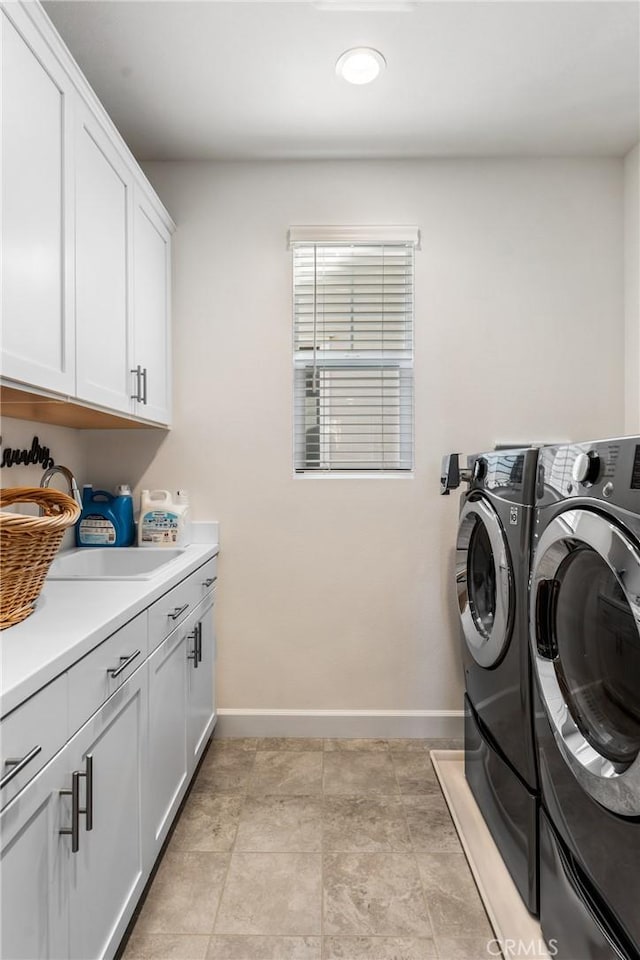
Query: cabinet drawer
<point x="175" y="606"/>
<point x="206" y="578"/>
<point x="94" y="678"/>
<point x="37" y="729"/>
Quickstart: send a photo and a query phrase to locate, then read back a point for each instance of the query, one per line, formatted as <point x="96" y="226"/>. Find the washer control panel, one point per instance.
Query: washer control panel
<point x="604" y="469"/>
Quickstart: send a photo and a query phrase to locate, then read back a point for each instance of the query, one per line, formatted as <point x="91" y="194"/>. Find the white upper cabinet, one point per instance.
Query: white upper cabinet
<point x="151" y="367"/>
<point x="86" y="244"/>
<point x="103" y="209"/>
<point x="37" y="241"/>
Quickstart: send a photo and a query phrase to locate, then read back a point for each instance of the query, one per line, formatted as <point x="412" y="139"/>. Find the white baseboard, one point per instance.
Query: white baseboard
<point x="342" y="724"/>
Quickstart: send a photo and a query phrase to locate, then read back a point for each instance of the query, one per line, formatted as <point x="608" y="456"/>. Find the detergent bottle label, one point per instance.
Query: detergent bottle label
<point x="159" y="528"/>
<point x="96" y="531"/>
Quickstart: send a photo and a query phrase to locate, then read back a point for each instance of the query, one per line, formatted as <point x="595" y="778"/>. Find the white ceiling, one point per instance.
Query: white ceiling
<point x="231" y="79"/>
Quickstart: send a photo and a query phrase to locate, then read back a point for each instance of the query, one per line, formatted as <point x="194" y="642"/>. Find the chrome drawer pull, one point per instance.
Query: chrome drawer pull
<point x="116" y="671"/>
<point x="18" y="766"/>
<point x="177" y="612"/>
<point x="209" y="581"/>
<point x="74" y="829"/>
<point x="199" y="641"/>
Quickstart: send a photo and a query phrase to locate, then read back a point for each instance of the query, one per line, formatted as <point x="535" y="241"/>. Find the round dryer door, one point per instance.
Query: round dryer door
<point x="484" y="582"/>
<point x="584" y="620"/>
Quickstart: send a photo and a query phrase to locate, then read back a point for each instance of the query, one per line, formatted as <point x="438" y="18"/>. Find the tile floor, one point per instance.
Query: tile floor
<point x="314" y="850"/>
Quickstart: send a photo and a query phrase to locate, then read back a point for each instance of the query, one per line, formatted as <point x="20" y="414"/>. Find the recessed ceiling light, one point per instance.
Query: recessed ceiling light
<point x="360" y="65"/>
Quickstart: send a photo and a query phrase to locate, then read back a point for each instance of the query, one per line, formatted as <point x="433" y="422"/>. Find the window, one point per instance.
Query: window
<point x="353" y="355"/>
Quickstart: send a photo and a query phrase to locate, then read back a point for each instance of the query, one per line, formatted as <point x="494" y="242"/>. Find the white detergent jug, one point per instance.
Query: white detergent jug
<point x="159" y="523"/>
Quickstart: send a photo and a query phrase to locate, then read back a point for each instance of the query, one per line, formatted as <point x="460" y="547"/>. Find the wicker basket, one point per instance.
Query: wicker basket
<point x="27" y="547"/>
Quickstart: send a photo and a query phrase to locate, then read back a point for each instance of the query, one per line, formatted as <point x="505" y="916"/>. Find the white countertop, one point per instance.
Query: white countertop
<point x="74" y="616"/>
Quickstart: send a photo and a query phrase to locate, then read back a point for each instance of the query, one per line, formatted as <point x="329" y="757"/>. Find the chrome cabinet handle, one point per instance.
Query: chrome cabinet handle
<point x="199" y="640"/>
<point x="194" y="653"/>
<point x="88" y="807"/>
<point x="74" y="829"/>
<point x="178" y="611"/>
<point x="116" y="671"/>
<point x="144" y="386"/>
<point x="138" y="374"/>
<point x="18" y="765"/>
<point x="209" y="581"/>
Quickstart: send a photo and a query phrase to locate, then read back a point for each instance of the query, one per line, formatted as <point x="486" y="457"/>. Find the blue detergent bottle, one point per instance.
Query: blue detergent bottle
<point x="106" y="520"/>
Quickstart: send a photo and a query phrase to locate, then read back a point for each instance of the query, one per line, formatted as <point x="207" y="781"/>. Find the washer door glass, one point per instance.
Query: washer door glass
<point x="586" y="646"/>
<point x="484" y="583"/>
<point x="481" y="579"/>
<point x="598" y="662"/>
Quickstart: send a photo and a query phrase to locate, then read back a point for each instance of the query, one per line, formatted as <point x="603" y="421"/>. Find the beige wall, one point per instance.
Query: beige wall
<point x="337" y="594"/>
<point x="632" y="288"/>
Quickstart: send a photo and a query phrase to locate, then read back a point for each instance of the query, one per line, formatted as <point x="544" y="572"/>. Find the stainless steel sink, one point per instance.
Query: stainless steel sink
<point x="111" y="563"/>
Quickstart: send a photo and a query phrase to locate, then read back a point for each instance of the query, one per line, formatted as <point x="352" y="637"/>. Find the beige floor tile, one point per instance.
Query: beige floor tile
<point x="453" y="900"/>
<point x="265" y="948"/>
<point x="373" y="894"/>
<point x="363" y="772"/>
<point x="281" y="772"/>
<point x="281" y="824"/>
<point x="378" y="948"/>
<point x="365" y="825"/>
<point x="376" y="745"/>
<point x="473" y="948"/>
<point x="430" y="824"/>
<point x="218" y="744"/>
<point x="158" y="946"/>
<point x="445" y="743"/>
<point x="226" y="772"/>
<point x="185" y="894"/>
<point x="291" y="744"/>
<point x="208" y="822"/>
<point x="272" y="894"/>
<point x="408" y="745"/>
<point x="415" y="773"/>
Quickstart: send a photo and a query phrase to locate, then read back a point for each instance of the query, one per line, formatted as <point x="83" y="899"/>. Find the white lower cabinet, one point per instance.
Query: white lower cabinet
<point x="108" y="871"/>
<point x="181" y="715"/>
<point x="202" y="711"/>
<point x="34" y="868"/>
<point x="80" y="838"/>
<point x="167" y="734"/>
<point x="72" y="893"/>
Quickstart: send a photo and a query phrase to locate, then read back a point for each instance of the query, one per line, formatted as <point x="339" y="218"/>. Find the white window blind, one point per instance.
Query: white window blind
<point x="353" y="356"/>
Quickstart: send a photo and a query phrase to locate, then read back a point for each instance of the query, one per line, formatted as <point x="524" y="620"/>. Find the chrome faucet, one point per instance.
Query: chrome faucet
<point x="69" y="477"/>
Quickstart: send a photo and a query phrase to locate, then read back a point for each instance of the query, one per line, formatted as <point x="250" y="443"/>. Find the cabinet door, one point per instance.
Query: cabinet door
<point x="108" y="872"/>
<point x="37" y="223"/>
<point x="167" y="733"/>
<point x="34" y="864"/>
<point x="202" y="709"/>
<point x="151" y="320"/>
<point x="103" y="211"/>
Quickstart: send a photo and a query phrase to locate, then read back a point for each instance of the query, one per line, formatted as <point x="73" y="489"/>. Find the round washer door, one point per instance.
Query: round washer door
<point x="584" y="629"/>
<point x="485" y="583"/>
